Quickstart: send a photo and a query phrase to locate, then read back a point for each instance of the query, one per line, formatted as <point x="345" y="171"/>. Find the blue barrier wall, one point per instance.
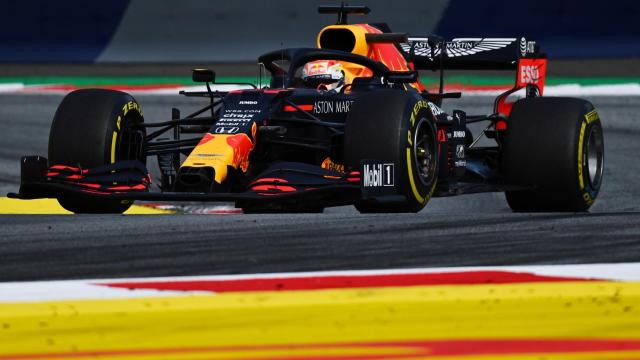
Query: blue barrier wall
<point x="206" y="30"/>
<point x="564" y="28"/>
<point x="57" y="31"/>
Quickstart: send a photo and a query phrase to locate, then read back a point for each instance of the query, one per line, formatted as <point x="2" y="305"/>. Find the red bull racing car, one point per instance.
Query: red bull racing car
<point x="348" y="122"/>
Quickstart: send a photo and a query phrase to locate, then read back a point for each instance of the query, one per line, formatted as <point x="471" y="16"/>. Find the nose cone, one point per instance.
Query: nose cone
<point x="208" y="165"/>
<point x="196" y="179"/>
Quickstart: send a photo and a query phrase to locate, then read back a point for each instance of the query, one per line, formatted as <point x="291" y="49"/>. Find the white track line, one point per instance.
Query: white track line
<point x="92" y="289"/>
<point x="11" y="87"/>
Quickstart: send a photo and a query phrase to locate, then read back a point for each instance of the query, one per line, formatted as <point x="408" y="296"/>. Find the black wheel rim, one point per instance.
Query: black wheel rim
<point x="594" y="156"/>
<point x="424" y="151"/>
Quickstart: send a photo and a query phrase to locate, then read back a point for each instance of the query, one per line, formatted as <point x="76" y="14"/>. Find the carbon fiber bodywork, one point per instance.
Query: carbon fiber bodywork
<point x="285" y="142"/>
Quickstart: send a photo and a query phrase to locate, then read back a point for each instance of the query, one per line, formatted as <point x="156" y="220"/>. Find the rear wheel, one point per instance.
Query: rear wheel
<point x="94" y="127"/>
<point x="394" y="126"/>
<point x="556" y="147"/>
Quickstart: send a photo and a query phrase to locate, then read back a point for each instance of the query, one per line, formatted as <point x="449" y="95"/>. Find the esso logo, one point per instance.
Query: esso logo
<point x="529" y="74"/>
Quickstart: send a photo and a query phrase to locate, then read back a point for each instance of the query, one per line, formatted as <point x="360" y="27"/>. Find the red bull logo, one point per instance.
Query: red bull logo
<point x="221" y="151"/>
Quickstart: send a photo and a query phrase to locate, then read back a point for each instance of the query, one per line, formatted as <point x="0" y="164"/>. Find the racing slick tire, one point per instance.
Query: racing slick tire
<point x="94" y="127"/>
<point x="396" y="127"/>
<point x="555" y="146"/>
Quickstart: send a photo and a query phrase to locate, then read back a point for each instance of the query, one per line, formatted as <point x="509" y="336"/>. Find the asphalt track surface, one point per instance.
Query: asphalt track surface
<point x="458" y="231"/>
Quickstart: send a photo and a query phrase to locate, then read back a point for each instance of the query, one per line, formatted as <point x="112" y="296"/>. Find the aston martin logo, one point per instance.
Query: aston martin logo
<point x="459" y="47"/>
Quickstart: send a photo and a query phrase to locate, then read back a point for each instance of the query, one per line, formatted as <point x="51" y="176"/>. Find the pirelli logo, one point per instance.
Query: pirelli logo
<point x="592" y="116"/>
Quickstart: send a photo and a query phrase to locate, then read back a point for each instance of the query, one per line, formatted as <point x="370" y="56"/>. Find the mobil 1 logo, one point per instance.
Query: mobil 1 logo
<point x="378" y="178"/>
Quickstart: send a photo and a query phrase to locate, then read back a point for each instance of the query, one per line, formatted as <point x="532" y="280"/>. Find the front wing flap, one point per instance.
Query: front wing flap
<point x="282" y="180"/>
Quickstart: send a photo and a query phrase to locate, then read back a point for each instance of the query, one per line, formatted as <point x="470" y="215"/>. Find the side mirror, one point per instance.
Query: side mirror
<point x="203" y="75"/>
<point x="401" y="77"/>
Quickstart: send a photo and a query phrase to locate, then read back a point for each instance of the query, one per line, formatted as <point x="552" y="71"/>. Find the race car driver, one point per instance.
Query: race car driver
<point x="324" y="75"/>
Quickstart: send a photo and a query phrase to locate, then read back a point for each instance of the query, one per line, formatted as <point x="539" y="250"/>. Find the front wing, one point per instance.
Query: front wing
<point x="283" y="181"/>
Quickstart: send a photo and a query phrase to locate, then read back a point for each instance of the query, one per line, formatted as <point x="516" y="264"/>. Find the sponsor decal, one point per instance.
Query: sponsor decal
<point x="527" y="47"/>
<point x="235" y="117"/>
<point x="460" y="155"/>
<point x="457" y="47"/>
<point x="378" y="175"/>
<point x="226" y="130"/>
<point x="459" y="134"/>
<point x="207" y="155"/>
<point x="416" y="108"/>
<point x="523" y="46"/>
<point x="529" y="74"/>
<point x="330" y="165"/>
<point x="531" y="47"/>
<point x="460" y="45"/>
<point x="435" y="109"/>
<point x="330" y="107"/>
<point x="592" y="116"/>
<point x="131" y="105"/>
<point x="248" y="102"/>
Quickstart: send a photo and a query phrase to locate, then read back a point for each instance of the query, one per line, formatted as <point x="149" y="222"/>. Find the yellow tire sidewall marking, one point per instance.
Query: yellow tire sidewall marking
<point x="590" y="117"/>
<point x="114" y="139"/>
<point x="419" y="105"/>
<point x="129" y="106"/>
<point x="414" y="188"/>
<point x="580" y="150"/>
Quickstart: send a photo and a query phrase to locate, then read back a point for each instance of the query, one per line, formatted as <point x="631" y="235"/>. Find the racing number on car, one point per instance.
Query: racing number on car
<point x="388" y="170"/>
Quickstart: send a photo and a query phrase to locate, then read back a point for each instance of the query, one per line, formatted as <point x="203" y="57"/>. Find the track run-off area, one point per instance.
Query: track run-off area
<point x="465" y="277"/>
<point x="550" y="312"/>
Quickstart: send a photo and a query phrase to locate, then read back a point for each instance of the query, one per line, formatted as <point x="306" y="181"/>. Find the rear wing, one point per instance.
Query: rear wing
<point x="520" y="54"/>
<point x="469" y="53"/>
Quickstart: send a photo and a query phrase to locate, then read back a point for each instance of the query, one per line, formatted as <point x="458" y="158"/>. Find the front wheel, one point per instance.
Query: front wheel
<point x="396" y="127"/>
<point x="554" y="146"/>
<point x="95" y="127"/>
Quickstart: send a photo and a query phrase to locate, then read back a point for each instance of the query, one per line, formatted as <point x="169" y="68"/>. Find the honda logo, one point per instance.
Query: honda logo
<point x="226" y="130"/>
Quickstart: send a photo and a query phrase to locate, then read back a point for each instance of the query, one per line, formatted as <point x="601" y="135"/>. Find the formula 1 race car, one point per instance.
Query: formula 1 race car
<point x="348" y="122"/>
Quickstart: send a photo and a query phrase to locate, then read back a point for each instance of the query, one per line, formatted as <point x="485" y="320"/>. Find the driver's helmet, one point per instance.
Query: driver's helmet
<point x="323" y="75"/>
